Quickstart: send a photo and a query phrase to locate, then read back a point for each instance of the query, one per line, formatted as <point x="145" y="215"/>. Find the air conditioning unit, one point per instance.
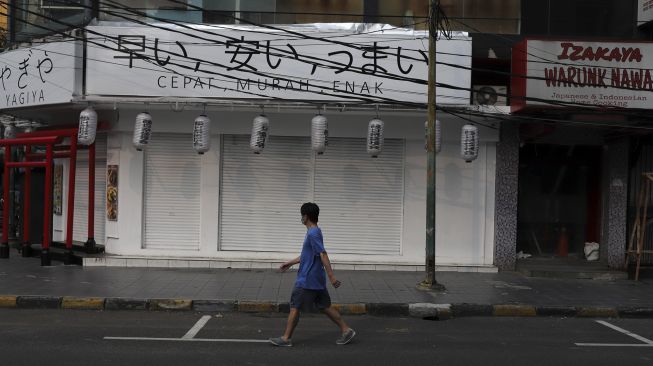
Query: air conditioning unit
<point x="62" y="5"/>
<point x="490" y="95"/>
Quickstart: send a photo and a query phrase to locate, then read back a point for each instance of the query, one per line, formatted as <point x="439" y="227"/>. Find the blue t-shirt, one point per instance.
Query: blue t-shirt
<point x="311" y="274"/>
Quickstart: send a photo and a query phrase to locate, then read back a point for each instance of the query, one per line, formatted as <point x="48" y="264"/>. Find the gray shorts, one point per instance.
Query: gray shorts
<point x="307" y="300"/>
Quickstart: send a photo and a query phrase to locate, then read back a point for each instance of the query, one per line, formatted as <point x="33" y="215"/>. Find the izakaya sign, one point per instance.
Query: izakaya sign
<point x="39" y="75"/>
<point x="565" y="73"/>
<point x="255" y="63"/>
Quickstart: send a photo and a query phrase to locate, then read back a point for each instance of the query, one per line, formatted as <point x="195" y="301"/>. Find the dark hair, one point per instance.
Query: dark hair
<point x="311" y="210"/>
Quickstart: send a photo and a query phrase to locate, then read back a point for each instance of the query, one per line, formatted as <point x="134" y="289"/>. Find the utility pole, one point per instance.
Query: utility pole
<point x="429" y="282"/>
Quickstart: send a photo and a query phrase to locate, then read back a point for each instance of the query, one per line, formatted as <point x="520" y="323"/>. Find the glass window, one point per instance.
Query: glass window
<point x="494" y="16"/>
<point x="151" y="10"/>
<point x="484" y="16"/>
<point x="37" y="18"/>
<point x="232" y="11"/>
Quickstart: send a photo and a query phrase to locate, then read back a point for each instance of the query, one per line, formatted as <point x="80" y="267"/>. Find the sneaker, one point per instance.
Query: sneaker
<point x="280" y="342"/>
<point x="346" y="337"/>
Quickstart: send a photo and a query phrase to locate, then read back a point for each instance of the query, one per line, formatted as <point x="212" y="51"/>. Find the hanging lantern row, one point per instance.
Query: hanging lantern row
<point x="10" y="131"/>
<point x="319" y="134"/>
<point x="438" y="135"/>
<point x="202" y="134"/>
<point x="469" y="143"/>
<point x="142" y="130"/>
<point x="260" y="133"/>
<point x="87" y="126"/>
<point x="375" y="137"/>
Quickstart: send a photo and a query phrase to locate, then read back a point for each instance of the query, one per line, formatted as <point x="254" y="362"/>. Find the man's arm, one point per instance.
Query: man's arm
<point x="284" y="267"/>
<point x="327" y="266"/>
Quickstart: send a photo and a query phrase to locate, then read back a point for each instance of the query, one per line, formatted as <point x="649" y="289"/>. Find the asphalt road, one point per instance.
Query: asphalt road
<point x="66" y="337"/>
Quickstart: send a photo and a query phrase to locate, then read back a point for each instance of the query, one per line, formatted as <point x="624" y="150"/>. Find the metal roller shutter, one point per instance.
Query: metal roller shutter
<point x="80" y="225"/>
<point x="172" y="193"/>
<point x="361" y="198"/>
<point x="261" y="194"/>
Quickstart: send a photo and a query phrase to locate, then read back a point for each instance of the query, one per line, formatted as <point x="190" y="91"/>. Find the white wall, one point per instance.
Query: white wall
<point x="465" y="204"/>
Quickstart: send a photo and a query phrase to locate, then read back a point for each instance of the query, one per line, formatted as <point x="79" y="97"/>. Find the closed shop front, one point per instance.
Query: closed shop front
<point x="171" y="193"/>
<point x="360" y="198"/>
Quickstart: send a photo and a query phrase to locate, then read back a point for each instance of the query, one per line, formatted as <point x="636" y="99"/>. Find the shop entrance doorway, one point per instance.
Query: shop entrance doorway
<point x="559" y="200"/>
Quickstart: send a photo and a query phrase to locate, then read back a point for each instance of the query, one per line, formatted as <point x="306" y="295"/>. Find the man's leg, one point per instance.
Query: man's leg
<point x="296" y="300"/>
<point x="335" y="317"/>
<point x="293" y="319"/>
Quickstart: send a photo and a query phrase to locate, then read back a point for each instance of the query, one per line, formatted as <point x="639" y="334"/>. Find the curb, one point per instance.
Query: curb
<point x="83" y="303"/>
<point x="38" y="302"/>
<point x="125" y="304"/>
<point x="257" y="307"/>
<point x="351" y="309"/>
<point x="171" y="304"/>
<point x="597" y="312"/>
<point x="8" y="301"/>
<point x="514" y="310"/>
<point x="428" y="311"/>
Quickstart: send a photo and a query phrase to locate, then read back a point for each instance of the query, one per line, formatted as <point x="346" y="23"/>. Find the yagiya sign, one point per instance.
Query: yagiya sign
<point x="564" y="73"/>
<point x="256" y="63"/>
<point x="39" y="75"/>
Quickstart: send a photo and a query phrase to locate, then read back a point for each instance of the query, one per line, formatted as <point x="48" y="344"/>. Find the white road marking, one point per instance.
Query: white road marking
<point x="187" y="339"/>
<point x="189" y="336"/>
<point x="614" y="345"/>
<point x="639" y="338"/>
<point x="647" y="342"/>
<point x="197" y="327"/>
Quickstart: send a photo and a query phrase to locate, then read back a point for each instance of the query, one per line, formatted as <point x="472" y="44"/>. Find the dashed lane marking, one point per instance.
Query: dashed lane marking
<point x="189" y="336"/>
<point x="197" y="327"/>
<point x="187" y="339"/>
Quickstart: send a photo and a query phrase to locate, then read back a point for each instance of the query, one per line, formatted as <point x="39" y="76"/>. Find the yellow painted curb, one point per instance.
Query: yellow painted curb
<point x="8" y="301"/>
<point x="257" y="307"/>
<point x="171" y="304"/>
<point x="514" y="310"/>
<point x="83" y="303"/>
<point x="350" y="309"/>
<point x="598" y="313"/>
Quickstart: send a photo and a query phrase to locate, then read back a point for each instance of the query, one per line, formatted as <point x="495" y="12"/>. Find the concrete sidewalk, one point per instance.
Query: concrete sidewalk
<point x="24" y="283"/>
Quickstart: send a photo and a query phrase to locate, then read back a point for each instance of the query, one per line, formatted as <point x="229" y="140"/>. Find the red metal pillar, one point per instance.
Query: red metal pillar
<point x="26" y="248"/>
<point x="4" y="246"/>
<point x="90" y="243"/>
<point x="71" y="200"/>
<point x="47" y="211"/>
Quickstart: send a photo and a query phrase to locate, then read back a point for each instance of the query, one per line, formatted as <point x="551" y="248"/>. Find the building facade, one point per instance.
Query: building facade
<point x="569" y="162"/>
<point x="167" y="205"/>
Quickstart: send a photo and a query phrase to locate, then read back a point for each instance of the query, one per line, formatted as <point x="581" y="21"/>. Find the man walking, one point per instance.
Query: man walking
<point x="310" y="287"/>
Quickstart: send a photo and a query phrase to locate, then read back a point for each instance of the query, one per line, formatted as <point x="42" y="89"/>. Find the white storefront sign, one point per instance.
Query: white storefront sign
<point x="644" y="11"/>
<point x="567" y="73"/>
<point x="39" y="75"/>
<point x="257" y="63"/>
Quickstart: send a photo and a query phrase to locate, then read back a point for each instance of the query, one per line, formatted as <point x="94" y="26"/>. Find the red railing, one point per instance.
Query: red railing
<point x="51" y="139"/>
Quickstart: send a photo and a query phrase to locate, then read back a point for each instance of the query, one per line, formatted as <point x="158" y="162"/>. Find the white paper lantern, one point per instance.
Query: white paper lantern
<point x="87" y="126"/>
<point x="469" y="143"/>
<point x="438" y="135"/>
<point x="319" y="134"/>
<point x="142" y="130"/>
<point x="375" y="137"/>
<point x="202" y="134"/>
<point x="260" y="132"/>
<point x="10" y="131"/>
